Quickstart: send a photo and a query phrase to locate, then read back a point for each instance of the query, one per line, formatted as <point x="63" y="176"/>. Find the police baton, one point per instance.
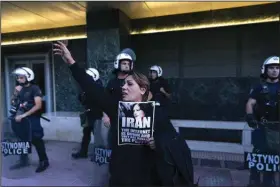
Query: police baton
<point x="44" y="118"/>
<point x="12" y="117"/>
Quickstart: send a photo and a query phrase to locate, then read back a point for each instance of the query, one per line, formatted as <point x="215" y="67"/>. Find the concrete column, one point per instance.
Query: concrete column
<point x="107" y="35"/>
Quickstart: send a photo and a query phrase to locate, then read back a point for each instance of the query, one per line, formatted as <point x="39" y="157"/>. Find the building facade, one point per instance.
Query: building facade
<point x="210" y="70"/>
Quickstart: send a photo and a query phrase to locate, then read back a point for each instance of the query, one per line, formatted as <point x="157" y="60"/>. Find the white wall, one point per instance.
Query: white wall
<point x="65" y="126"/>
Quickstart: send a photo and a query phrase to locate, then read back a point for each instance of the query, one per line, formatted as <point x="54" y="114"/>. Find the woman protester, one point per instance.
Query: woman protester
<point x="164" y="160"/>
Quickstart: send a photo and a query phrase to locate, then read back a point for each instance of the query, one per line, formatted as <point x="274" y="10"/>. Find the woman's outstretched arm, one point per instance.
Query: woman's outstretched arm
<point x="96" y="95"/>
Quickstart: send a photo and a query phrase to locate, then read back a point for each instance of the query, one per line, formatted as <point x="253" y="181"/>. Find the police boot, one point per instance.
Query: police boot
<point x="43" y="165"/>
<point x="255" y="178"/>
<point x="23" y="162"/>
<point x="254" y="184"/>
<point x="268" y="179"/>
<point x="80" y="154"/>
<point x="254" y="181"/>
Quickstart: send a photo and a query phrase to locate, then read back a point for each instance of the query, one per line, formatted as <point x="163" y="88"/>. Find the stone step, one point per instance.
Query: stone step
<point x="218" y="159"/>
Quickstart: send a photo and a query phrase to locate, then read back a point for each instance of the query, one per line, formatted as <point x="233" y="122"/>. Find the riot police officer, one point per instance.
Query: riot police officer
<point x="88" y="118"/>
<point x="263" y="106"/>
<point x="123" y="65"/>
<point x="29" y="106"/>
<point x="159" y="86"/>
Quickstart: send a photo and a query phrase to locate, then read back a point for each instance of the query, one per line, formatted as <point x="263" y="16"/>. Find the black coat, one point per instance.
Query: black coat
<point x="175" y="164"/>
<point x="94" y="111"/>
<point x="169" y="164"/>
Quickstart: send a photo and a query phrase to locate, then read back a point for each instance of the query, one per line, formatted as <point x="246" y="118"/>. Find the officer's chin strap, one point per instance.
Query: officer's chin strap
<point x="156" y="78"/>
<point x="273" y="78"/>
<point x="126" y="71"/>
<point x="23" y="84"/>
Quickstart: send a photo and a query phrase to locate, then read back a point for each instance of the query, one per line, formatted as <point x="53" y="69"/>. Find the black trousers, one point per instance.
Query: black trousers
<point x="41" y="151"/>
<point x="260" y="146"/>
<point x="30" y="129"/>
<point x="86" y="139"/>
<point x="39" y="145"/>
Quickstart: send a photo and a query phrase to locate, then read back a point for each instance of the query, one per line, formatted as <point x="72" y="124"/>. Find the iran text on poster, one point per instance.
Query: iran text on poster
<point x="135" y="122"/>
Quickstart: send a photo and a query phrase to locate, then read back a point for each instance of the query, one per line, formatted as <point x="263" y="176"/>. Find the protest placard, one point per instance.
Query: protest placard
<point x="136" y="122"/>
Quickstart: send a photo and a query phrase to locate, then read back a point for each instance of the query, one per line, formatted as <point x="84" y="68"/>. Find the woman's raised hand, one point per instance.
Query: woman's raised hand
<point x="151" y="143"/>
<point x="61" y="49"/>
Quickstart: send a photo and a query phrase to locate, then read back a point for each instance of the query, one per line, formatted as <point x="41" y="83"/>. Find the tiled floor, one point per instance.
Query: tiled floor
<point x="64" y="171"/>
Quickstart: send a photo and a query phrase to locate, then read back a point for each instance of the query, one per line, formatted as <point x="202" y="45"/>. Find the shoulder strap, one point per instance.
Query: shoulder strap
<point x="263" y="82"/>
<point x="264" y="87"/>
<point x="20" y="91"/>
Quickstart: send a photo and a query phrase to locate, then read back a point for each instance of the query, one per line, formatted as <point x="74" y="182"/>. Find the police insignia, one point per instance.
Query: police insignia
<point x="251" y="91"/>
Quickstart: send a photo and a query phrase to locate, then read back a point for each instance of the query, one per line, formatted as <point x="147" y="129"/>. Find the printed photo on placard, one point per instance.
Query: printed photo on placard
<point x="136" y="122"/>
<point x="262" y="162"/>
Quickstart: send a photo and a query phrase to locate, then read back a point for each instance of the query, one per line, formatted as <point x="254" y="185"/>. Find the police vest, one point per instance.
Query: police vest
<point x="267" y="105"/>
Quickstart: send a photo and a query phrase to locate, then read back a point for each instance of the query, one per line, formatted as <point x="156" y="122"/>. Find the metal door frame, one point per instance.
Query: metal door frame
<point x="45" y="56"/>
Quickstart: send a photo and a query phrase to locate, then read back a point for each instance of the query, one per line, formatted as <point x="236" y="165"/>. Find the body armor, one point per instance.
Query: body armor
<point x="267" y="108"/>
<point x="267" y="113"/>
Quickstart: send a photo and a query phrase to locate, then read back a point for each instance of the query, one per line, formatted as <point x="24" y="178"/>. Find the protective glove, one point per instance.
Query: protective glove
<point x="252" y="122"/>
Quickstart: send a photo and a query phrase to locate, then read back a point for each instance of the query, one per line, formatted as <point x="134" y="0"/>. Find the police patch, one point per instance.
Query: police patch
<point x="101" y="155"/>
<point x="251" y="91"/>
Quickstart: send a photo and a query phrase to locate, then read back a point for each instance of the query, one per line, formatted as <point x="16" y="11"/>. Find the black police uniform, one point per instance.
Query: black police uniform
<point x="92" y="114"/>
<point x="33" y="128"/>
<point x="267" y="109"/>
<point x="155" y="86"/>
<point x="114" y="87"/>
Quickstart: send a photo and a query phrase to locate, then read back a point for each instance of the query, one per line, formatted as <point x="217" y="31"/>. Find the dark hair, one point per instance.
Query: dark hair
<point x="143" y="82"/>
<point x="146" y="108"/>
